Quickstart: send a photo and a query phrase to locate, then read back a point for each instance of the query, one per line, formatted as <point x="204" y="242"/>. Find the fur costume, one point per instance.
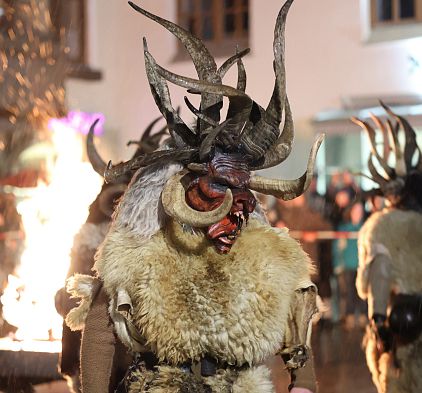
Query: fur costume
<point x="390" y="265"/>
<point x="191" y="269"/>
<point x="85" y="245"/>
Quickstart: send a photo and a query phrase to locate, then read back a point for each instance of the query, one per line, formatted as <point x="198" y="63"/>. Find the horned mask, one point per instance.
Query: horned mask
<point x="401" y="183"/>
<point x="214" y="190"/>
<point x="104" y="205"/>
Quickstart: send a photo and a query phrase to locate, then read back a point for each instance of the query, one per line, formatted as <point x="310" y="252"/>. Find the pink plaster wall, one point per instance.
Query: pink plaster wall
<point x="326" y="60"/>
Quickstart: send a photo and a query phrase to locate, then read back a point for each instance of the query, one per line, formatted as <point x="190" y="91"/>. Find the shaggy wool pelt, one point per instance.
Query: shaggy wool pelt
<point x="387" y="377"/>
<point x="173" y="380"/>
<point x="83" y="287"/>
<point x="398" y="234"/>
<point x="189" y="301"/>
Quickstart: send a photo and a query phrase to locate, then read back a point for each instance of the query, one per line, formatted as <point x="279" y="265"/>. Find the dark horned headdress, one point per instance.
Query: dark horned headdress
<point x="398" y="183"/>
<point x="148" y="143"/>
<point x="219" y="155"/>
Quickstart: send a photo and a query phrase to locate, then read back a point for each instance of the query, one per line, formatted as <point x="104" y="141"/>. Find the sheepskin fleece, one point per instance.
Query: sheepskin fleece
<point x="173" y="380"/>
<point x="399" y="234"/>
<point x="386" y="377"/>
<point x="189" y="301"/>
<point x="83" y="287"/>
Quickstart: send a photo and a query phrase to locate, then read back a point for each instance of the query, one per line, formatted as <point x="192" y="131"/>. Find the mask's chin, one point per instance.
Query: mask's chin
<point x="225" y="232"/>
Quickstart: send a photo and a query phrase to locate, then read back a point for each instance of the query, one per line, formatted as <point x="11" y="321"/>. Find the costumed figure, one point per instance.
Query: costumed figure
<point x="86" y="243"/>
<point x="190" y="269"/>
<point x="390" y="261"/>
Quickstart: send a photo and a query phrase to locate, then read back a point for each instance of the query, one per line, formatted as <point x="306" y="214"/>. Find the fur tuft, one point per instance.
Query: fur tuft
<point x="254" y="380"/>
<point x="83" y="287"/>
<point x="76" y="317"/>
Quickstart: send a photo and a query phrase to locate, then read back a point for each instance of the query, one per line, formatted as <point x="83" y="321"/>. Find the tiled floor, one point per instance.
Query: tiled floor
<point x="339" y="362"/>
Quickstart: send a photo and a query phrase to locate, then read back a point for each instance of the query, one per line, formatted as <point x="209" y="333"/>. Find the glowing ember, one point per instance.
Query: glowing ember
<point x="52" y="214"/>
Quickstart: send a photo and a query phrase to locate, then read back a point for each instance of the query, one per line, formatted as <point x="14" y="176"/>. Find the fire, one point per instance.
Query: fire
<point x="52" y="214"/>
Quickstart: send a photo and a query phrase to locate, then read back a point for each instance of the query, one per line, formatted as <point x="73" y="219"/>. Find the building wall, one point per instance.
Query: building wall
<point x="327" y="59"/>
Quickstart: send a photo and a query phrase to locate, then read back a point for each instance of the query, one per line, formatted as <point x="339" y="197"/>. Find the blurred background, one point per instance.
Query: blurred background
<point x="65" y="63"/>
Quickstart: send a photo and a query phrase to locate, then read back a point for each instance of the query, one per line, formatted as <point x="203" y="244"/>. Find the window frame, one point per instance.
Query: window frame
<point x="396" y="20"/>
<point x="221" y="44"/>
<point x="78" y="67"/>
<point x="397" y="28"/>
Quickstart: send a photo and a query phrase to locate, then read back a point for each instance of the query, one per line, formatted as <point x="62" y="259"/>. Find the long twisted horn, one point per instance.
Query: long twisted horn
<point x="371" y="135"/>
<point x="180" y="132"/>
<point x="376" y="177"/>
<point x="240" y="103"/>
<point x="174" y="203"/>
<point x="288" y="189"/>
<point x="386" y="142"/>
<point x="400" y="163"/>
<point x="265" y="136"/>
<point x="97" y="162"/>
<point x="276" y="105"/>
<point x="279" y="150"/>
<point x="410" y="145"/>
<point x="202" y="59"/>
<point x="180" y="155"/>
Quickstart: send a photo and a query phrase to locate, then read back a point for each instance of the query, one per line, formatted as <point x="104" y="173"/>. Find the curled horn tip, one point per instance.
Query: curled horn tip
<point x="387" y="108"/>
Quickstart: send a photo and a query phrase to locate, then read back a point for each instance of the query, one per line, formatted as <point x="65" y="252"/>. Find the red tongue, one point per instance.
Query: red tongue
<point x="226" y="226"/>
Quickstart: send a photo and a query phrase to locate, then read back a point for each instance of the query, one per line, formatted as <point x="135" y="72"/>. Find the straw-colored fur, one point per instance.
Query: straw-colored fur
<point x="189" y="301"/>
<point x="397" y="234"/>
<point x="80" y="286"/>
<point x="400" y="232"/>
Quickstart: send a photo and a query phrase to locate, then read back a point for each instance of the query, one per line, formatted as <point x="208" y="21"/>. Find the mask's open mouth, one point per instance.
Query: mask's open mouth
<point x="206" y="194"/>
<point x="225" y="232"/>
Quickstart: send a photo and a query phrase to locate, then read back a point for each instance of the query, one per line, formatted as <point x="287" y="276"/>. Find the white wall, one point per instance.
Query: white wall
<point x="326" y="60"/>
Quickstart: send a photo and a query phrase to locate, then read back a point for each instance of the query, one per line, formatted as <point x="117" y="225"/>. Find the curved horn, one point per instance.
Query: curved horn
<point x="209" y="140"/>
<point x="400" y="163"/>
<point x="371" y="135"/>
<point x="241" y="74"/>
<point x="180" y="132"/>
<point x="174" y="202"/>
<point x="276" y="105"/>
<point x="240" y="103"/>
<point x="199" y="114"/>
<point x="112" y="173"/>
<point x="231" y="61"/>
<point x="376" y="177"/>
<point x="282" y="147"/>
<point x="107" y="197"/>
<point x="97" y="162"/>
<point x="410" y="145"/>
<point x="288" y="189"/>
<point x="381" y="126"/>
<point x="204" y="63"/>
